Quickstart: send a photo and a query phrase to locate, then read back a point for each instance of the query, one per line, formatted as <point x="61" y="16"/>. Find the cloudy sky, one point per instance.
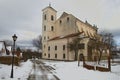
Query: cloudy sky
<point x="24" y="17"/>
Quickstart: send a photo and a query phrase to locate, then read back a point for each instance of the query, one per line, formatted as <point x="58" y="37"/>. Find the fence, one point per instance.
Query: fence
<point x="8" y="60"/>
<point x="94" y="65"/>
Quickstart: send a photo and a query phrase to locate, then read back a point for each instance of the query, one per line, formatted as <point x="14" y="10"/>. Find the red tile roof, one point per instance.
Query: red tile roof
<point x="67" y="36"/>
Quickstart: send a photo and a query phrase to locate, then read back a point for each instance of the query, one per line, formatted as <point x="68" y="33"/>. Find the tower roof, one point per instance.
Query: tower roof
<point x="49" y="7"/>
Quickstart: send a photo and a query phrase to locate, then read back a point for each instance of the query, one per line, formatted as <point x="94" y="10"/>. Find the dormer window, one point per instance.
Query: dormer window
<point x="52" y="17"/>
<point x="67" y="19"/>
<point x="60" y="21"/>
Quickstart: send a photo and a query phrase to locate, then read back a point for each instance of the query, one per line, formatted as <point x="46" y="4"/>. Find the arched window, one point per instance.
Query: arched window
<point x="52" y="17"/>
<point x="52" y="28"/>
<point x="45" y="17"/>
<point x="44" y="28"/>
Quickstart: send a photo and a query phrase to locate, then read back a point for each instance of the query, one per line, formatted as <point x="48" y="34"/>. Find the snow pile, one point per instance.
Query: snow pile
<point x="20" y="72"/>
<point x="70" y="71"/>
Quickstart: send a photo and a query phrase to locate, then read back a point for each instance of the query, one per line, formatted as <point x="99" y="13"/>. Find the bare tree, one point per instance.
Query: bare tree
<point x="100" y="47"/>
<point x="37" y="42"/>
<point x="110" y="43"/>
<point x="107" y="42"/>
<point x="110" y="40"/>
<point x="74" y="46"/>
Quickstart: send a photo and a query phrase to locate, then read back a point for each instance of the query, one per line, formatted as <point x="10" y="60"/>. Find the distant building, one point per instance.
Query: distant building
<point x="4" y="50"/>
<point x="57" y="33"/>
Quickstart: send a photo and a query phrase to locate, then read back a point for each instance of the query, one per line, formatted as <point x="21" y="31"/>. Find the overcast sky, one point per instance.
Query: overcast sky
<point x="24" y="17"/>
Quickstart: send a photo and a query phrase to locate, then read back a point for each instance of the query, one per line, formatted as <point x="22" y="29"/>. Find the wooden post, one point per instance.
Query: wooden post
<point x="95" y="62"/>
<point x="109" y="63"/>
<point x="83" y="61"/>
<point x="79" y="60"/>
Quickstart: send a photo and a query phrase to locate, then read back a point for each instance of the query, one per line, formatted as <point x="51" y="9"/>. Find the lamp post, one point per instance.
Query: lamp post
<point x="14" y="39"/>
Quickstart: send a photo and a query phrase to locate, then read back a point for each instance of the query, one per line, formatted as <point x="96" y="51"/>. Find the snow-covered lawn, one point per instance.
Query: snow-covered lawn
<point x="70" y="71"/>
<point x="63" y="70"/>
<point x="20" y="72"/>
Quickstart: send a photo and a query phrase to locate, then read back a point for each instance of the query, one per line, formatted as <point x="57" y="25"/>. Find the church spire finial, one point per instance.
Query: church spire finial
<point x="49" y="4"/>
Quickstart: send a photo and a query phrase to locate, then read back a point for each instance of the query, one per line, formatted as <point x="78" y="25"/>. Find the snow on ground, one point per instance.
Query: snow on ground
<point x="63" y="70"/>
<point x="20" y="72"/>
<point x="70" y="71"/>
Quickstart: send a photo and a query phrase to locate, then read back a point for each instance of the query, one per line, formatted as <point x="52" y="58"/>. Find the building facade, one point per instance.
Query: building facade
<point x="58" y="33"/>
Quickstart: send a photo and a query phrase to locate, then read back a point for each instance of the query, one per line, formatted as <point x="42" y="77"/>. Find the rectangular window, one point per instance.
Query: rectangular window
<point x="63" y="56"/>
<point x="52" y="17"/>
<point x="44" y="38"/>
<point x="48" y="55"/>
<point x="52" y="28"/>
<point x="44" y="46"/>
<point x="48" y="48"/>
<point x="44" y="54"/>
<point x="63" y="47"/>
<point x="81" y="46"/>
<point x="55" y="47"/>
<point x="55" y="55"/>
<point x="44" y="28"/>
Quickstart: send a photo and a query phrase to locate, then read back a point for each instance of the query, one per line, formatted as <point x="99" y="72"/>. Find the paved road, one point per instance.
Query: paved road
<point x="42" y="72"/>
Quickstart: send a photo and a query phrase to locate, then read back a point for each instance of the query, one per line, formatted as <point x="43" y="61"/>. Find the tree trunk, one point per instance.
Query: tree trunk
<point x="109" y="63"/>
<point x="76" y="55"/>
<point x="100" y="57"/>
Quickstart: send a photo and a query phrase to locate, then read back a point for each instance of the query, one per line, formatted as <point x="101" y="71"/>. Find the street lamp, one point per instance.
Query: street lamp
<point x="14" y="39"/>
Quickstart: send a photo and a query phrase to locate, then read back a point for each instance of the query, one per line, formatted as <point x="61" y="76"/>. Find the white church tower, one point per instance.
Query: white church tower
<point x="48" y="27"/>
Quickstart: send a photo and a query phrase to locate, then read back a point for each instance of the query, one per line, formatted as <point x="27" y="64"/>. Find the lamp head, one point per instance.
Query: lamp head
<point x="14" y="37"/>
